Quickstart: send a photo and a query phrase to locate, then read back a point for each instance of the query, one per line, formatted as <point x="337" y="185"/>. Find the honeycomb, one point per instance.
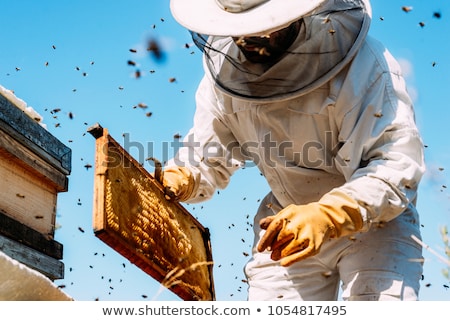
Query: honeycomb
<point x="156" y="234"/>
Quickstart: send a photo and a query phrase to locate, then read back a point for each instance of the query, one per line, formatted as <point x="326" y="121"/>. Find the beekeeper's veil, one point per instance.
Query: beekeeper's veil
<point x="330" y="33"/>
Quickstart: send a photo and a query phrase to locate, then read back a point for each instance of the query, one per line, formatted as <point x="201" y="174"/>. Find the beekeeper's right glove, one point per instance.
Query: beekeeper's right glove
<point x="298" y="231"/>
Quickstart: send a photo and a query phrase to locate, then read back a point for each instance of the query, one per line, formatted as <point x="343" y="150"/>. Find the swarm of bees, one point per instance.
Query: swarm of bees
<point x="157" y="54"/>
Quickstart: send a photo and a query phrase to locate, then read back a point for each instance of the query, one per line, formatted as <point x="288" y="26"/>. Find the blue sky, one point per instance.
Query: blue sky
<point x="74" y="55"/>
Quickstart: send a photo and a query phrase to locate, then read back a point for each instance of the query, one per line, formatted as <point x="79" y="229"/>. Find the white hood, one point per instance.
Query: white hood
<point x="327" y="41"/>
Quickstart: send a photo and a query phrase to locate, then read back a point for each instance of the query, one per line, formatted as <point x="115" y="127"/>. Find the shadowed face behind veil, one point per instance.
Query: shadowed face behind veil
<point x="268" y="48"/>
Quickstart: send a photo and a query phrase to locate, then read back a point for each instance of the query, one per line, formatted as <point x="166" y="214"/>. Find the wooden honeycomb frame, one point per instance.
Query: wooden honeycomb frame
<point x="132" y="216"/>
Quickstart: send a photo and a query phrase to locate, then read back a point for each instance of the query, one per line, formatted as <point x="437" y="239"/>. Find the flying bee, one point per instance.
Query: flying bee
<point x="155" y="49"/>
<point x="380" y="224"/>
<point x="241" y="42"/>
<point x="327" y="274"/>
<point x="263" y="52"/>
<point x="407" y="8"/>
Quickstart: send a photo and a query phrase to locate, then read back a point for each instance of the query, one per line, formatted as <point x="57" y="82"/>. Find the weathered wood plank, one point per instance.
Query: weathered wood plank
<point x="27" y="198"/>
<point x="21" y="233"/>
<point x="36" y="260"/>
<point x="28" y="132"/>
<point x="19" y="153"/>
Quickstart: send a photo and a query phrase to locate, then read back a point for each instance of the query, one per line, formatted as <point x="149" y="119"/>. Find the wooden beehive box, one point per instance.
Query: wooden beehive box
<point x="132" y="215"/>
<point x="34" y="166"/>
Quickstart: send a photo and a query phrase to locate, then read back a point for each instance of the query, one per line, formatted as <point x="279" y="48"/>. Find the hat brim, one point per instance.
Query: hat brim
<point x="206" y="17"/>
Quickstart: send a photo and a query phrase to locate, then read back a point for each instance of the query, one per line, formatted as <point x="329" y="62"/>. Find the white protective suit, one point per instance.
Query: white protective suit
<point x="353" y="129"/>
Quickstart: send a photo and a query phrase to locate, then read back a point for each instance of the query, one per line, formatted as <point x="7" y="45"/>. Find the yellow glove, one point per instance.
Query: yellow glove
<point x="178" y="183"/>
<point x="298" y="231"/>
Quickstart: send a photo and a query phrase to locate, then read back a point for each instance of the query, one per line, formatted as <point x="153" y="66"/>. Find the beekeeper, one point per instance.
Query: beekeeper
<point x="301" y="90"/>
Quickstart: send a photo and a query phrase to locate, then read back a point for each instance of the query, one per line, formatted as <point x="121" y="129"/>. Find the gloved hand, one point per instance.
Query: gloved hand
<point x="298" y="231"/>
<point x="178" y="183"/>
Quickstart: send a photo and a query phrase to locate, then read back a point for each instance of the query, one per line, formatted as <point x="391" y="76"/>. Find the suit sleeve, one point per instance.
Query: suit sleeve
<point x="382" y="152"/>
<point x="209" y="150"/>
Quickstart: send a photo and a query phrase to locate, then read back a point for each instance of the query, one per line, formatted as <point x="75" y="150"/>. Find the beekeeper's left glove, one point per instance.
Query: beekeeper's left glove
<point x="298" y="231"/>
<point x="178" y="183"/>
